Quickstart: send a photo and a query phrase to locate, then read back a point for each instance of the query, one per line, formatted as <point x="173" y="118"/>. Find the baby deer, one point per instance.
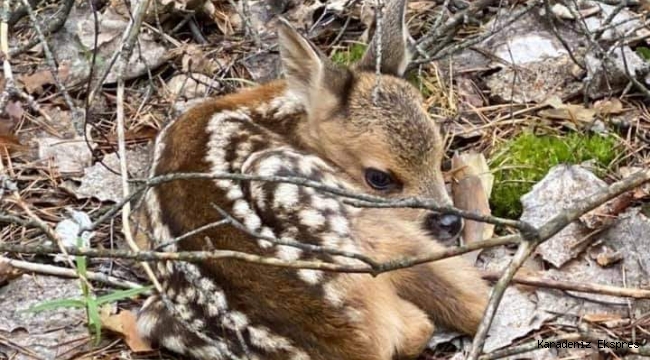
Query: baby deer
<point x="325" y="123"/>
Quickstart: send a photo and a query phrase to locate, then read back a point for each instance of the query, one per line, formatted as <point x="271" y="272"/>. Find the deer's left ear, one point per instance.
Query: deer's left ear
<point x="395" y="56"/>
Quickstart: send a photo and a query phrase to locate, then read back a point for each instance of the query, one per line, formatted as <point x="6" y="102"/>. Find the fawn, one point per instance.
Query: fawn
<point x="323" y="122"/>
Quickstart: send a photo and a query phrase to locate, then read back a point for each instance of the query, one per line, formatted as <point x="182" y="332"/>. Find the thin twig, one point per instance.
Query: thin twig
<point x="379" y="14"/>
<point x="69" y="273"/>
<point x="574" y="286"/>
<point x="128" y="42"/>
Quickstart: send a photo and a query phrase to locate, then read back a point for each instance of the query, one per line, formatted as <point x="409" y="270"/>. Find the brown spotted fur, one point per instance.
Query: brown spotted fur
<point x="322" y="123"/>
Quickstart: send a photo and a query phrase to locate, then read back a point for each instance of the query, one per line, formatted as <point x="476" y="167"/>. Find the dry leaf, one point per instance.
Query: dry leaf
<point x="100" y="183"/>
<point x="15" y="110"/>
<point x="471" y="188"/>
<point x="639" y="192"/>
<point x="124" y="324"/>
<point x="609" y="106"/>
<point x="34" y="83"/>
<point x="7" y="272"/>
<point x="608" y="258"/>
<point x="607" y="213"/>
<point x="70" y="156"/>
<point x="601" y="317"/>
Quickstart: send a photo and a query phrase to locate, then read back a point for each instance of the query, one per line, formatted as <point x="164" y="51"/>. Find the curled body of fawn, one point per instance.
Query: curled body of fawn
<point x="323" y="123"/>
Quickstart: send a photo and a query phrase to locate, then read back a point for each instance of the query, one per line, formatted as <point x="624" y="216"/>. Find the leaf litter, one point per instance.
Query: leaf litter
<point x="520" y="77"/>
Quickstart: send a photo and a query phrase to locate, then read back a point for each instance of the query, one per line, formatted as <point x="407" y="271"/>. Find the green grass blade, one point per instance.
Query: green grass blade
<point x="56" y="304"/>
<point x="121" y="295"/>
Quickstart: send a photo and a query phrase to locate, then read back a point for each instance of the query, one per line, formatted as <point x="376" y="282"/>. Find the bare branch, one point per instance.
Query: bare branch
<point x="574" y="286"/>
<point x="69" y="273"/>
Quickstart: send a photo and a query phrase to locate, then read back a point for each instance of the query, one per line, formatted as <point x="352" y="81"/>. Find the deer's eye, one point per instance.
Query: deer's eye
<point x="380" y="180"/>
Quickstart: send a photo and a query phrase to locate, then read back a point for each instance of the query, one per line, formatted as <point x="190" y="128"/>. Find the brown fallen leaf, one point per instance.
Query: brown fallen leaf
<point x="471" y="186"/>
<point x="124" y="324"/>
<point x="609" y="106"/>
<point x="607" y="213"/>
<point x="35" y="82"/>
<point x="606" y="257"/>
<point x="601" y="318"/>
<point x="7" y="272"/>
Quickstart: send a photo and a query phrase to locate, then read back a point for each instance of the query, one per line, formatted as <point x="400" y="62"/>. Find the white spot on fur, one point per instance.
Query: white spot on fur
<point x="184" y="311"/>
<point x="171" y="292"/>
<point x="198" y="324"/>
<point x="211" y="309"/>
<point x="311" y="218"/>
<point x="288" y="104"/>
<point x="263" y="338"/>
<point x="234" y="193"/>
<point x="269" y="166"/>
<point x="148" y="316"/>
<point x="299" y="355"/>
<point x="224" y="184"/>
<point x="286" y="196"/>
<point x="330" y="240"/>
<point x="310" y="276"/>
<point x="206" y="352"/>
<point x="325" y="203"/>
<point x="332" y="294"/>
<point x="243" y="151"/>
<point x="339" y="224"/>
<point x="242" y="210"/>
<point x="267" y="231"/>
<point x="159" y="230"/>
<point x="288" y="253"/>
<point x="174" y="343"/>
<point x="236" y="320"/>
<point x="207" y="285"/>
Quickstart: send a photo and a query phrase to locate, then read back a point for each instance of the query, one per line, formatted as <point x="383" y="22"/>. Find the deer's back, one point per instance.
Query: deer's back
<point x="231" y="307"/>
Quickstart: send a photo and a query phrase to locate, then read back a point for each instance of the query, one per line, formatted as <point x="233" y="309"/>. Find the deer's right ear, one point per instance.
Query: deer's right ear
<point x="303" y="64"/>
<point x="309" y="72"/>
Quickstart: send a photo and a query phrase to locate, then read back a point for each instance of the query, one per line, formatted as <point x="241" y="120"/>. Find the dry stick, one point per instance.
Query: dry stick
<point x="378" y="43"/>
<point x="574" y="286"/>
<point x="128" y="42"/>
<point x="532" y="240"/>
<point x="4" y="47"/>
<point x="199" y="256"/>
<point x="297" y="244"/>
<point x="353" y="198"/>
<point x="70" y="273"/>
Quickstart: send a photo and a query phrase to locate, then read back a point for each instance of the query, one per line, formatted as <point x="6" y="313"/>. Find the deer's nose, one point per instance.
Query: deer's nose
<point x="444" y="226"/>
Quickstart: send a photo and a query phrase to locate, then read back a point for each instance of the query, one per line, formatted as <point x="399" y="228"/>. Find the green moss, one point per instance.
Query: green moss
<point x="525" y="160"/>
<point x="349" y="55"/>
<point x="418" y="82"/>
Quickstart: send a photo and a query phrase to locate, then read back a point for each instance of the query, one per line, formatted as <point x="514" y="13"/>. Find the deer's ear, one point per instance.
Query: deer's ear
<point x="309" y="73"/>
<point x="395" y="56"/>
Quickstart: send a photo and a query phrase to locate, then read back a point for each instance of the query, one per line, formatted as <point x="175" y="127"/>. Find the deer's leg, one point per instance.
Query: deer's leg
<point x="450" y="291"/>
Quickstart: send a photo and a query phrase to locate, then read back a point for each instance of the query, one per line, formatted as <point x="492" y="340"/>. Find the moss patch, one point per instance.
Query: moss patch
<point x="349" y="55"/>
<point x="525" y="160"/>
